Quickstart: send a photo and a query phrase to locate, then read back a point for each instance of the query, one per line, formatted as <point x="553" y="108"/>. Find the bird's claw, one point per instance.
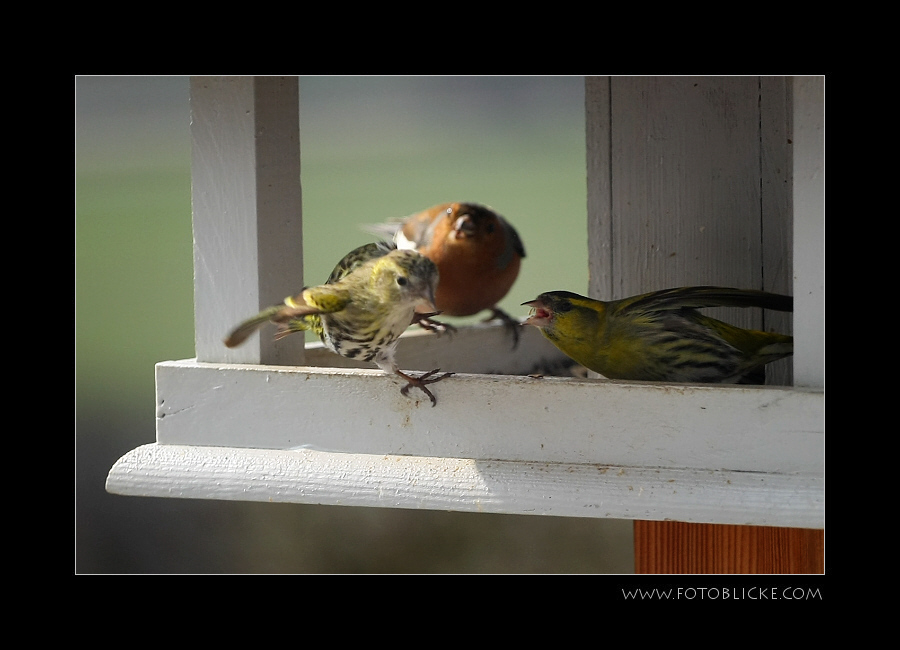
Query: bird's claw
<point x="421" y="381"/>
<point x="509" y="323"/>
<point x="428" y="323"/>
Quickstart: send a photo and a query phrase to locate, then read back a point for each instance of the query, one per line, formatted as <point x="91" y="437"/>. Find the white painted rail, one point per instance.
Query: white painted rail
<point x="560" y="489"/>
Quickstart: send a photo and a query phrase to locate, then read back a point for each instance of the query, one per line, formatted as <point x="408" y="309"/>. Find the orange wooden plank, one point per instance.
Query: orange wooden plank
<point x="678" y="547"/>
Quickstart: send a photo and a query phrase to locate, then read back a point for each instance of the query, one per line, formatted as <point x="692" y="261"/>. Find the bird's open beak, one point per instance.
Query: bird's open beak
<point x="540" y="314"/>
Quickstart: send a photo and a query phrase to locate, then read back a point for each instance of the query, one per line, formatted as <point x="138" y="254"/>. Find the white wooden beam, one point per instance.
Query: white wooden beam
<point x="809" y="231"/>
<point x="601" y="241"/>
<point x="491" y="486"/>
<point x="248" y="236"/>
<point x="481" y="416"/>
<point x="674" y="185"/>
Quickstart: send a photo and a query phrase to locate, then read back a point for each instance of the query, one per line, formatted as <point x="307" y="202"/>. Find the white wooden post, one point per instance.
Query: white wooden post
<point x="809" y="231"/>
<point x="248" y="231"/>
<point x="689" y="183"/>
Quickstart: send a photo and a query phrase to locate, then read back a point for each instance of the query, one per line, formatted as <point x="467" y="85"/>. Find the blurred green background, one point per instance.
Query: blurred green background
<point x="372" y="148"/>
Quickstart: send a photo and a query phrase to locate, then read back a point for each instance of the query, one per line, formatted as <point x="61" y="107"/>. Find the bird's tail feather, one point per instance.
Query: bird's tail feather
<point x="243" y="331"/>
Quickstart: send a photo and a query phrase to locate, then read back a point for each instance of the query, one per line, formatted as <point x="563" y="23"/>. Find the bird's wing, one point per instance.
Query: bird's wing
<point x="386" y="230"/>
<point x="514" y="242"/>
<point x="299" y="312"/>
<point x="700" y="297"/>
<point x="324" y="299"/>
<point x="357" y="257"/>
<point x="418" y="230"/>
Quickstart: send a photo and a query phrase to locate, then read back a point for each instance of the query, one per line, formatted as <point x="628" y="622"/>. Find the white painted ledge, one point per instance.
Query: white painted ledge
<point x="494" y="443"/>
<point x="560" y="489"/>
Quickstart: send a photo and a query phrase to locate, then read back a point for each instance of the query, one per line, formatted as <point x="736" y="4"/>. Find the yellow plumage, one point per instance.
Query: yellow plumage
<point x="369" y="300"/>
<point x="661" y="336"/>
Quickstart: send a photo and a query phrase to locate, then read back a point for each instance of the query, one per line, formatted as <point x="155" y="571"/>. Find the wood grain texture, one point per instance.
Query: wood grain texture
<point x="689" y="183"/>
<point x="809" y="228"/>
<point x="601" y="245"/>
<point x="776" y="209"/>
<point x="667" y="547"/>
<point x="753" y="429"/>
<point x="248" y="235"/>
<point x="463" y="484"/>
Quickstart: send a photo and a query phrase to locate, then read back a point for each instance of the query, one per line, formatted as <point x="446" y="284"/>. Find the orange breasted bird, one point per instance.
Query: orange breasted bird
<point x="660" y="336"/>
<point x="368" y="301"/>
<point x="478" y="254"/>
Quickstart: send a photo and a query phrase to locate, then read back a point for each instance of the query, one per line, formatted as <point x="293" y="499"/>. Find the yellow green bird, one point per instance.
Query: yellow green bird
<point x="374" y="293"/>
<point x="660" y="336"/>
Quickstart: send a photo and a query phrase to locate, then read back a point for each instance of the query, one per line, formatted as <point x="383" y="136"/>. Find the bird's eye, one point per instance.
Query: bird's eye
<point x="402" y="281"/>
<point x="563" y="306"/>
<point x="490" y="228"/>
